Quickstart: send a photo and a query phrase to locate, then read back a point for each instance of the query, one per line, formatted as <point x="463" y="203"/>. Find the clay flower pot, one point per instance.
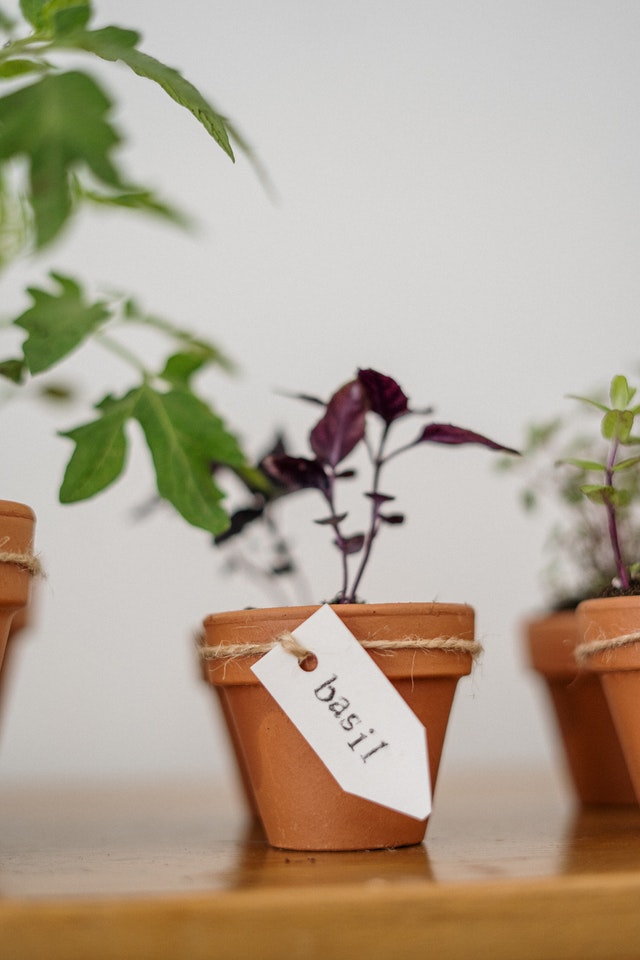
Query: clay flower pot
<point x="18" y="564"/>
<point x="610" y="648"/>
<point x="591" y="747"/>
<point x="300" y="804"/>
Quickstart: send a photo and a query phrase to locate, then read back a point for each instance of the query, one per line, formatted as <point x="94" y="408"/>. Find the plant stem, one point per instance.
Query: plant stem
<point x="329" y="497"/>
<point x="120" y="351"/>
<point x="612" y="521"/>
<point x="374" y="524"/>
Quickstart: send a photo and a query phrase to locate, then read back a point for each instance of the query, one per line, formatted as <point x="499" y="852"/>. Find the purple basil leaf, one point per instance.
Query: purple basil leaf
<point x="331" y="521"/>
<point x="239" y="520"/>
<point x="352" y="544"/>
<point x="346" y="474"/>
<point x="379" y="497"/>
<point x="385" y="396"/>
<point x="342" y="426"/>
<point x="393" y="518"/>
<point x="296" y="473"/>
<point x="307" y="397"/>
<point x="447" y="433"/>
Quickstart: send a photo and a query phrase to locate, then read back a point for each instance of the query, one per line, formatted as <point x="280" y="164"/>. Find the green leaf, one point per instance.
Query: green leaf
<point x="585" y="464"/>
<point x="58" y="322"/>
<point x="58" y="124"/>
<point x="100" y="453"/>
<point x="142" y="200"/>
<point x="73" y="16"/>
<point x="18" y="68"/>
<point x="181" y="367"/>
<point x="617" y="425"/>
<point x="592" y="403"/>
<point x="183" y="436"/>
<point x="44" y="14"/>
<point x="597" y="493"/>
<point x="13" y="370"/>
<point x="620" y="393"/>
<point x="114" y="43"/>
<point x="625" y="464"/>
<point x="604" y="494"/>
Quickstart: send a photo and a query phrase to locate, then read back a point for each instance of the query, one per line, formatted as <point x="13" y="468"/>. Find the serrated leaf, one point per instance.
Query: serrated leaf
<point x="58" y="322"/>
<point x="114" y="43"/>
<point x="141" y="200"/>
<point x="183" y="436"/>
<point x="59" y="125"/>
<point x="99" y="456"/>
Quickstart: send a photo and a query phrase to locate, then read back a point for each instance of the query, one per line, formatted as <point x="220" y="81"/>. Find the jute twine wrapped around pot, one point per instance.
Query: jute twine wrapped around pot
<point x="286" y="639"/>
<point x="26" y="561"/>
<point x="607" y="645"/>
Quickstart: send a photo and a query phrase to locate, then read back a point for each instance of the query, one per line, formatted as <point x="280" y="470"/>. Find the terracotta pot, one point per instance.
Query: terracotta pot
<point x="592" y="750"/>
<point x="17" y="564"/>
<point x="300" y="804"/>
<point x="617" y="665"/>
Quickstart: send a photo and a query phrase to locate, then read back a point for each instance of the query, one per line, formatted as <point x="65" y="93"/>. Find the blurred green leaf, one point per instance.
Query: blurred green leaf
<point x="115" y="43"/>
<point x="58" y="124"/>
<point x="100" y="453"/>
<point x="13" y="370"/>
<point x="58" y="322"/>
<point x="620" y="393"/>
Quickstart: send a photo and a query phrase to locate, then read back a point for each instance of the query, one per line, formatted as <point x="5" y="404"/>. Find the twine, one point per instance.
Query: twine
<point x="585" y="650"/>
<point x="26" y="561"/>
<point x="233" y="651"/>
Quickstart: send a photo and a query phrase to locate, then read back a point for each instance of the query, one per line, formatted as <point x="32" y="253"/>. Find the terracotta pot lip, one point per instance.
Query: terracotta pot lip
<point x="605" y="603"/>
<point x="13" y="508"/>
<point x="353" y="610"/>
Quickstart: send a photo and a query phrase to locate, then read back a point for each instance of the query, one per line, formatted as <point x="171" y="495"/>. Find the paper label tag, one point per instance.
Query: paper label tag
<point x="351" y="715"/>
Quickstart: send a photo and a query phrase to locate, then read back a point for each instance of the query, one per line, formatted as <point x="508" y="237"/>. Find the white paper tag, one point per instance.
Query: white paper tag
<point x="351" y="715"/>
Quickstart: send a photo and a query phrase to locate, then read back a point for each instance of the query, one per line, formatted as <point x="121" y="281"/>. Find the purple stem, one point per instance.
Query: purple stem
<point x="374" y="524"/>
<point x="329" y="496"/>
<point x="612" y="522"/>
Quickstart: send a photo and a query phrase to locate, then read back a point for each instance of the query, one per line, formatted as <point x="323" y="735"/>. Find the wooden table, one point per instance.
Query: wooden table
<point x="510" y="869"/>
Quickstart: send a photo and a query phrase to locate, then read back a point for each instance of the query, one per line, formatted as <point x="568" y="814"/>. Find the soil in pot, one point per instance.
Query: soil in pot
<point x="301" y="805"/>
<point x="591" y="747"/>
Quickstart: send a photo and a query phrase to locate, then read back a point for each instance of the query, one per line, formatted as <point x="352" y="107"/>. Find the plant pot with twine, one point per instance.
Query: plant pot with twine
<point x="422" y="648"/>
<point x="610" y="648"/>
<point x="18" y="564"/>
<point x="591" y="747"/>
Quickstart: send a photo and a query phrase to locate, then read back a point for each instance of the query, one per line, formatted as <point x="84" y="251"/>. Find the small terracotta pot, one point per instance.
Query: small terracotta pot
<point x="301" y="806"/>
<point x="592" y="750"/>
<point x="618" y="666"/>
<point x="17" y="523"/>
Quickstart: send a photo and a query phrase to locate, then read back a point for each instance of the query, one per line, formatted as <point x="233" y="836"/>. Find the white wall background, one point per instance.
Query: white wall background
<point x="458" y="192"/>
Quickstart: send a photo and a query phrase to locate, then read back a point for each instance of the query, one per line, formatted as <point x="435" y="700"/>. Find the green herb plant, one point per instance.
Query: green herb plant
<point x="58" y="155"/>
<point x="612" y="492"/>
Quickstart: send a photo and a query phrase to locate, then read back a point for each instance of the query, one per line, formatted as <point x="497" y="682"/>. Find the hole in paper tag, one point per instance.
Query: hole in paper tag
<point x="351" y="715"/>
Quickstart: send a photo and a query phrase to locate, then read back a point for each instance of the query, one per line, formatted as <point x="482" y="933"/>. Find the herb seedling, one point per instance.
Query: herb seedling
<point x="346" y="423"/>
<point x="616" y="428"/>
